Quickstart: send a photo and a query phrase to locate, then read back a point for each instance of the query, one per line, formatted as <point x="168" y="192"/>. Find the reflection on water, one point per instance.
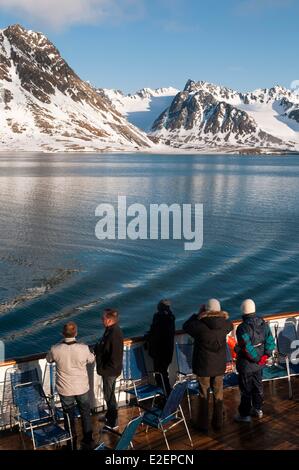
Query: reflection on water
<point x="47" y="223"/>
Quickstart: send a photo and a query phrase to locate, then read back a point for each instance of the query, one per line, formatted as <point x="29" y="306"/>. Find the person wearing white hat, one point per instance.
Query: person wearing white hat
<point x="209" y="329"/>
<point x="213" y="305"/>
<point x="248" y="307"/>
<point x="255" y="345"/>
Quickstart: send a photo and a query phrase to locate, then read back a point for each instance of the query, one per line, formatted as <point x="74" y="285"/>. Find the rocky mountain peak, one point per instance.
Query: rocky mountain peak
<point x="42" y="92"/>
<point x="205" y="115"/>
<point x="40" y="67"/>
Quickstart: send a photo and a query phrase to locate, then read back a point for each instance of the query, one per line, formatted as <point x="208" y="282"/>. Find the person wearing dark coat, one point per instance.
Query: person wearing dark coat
<point x="209" y="329"/>
<point x="109" y="361"/>
<point x="160" y="340"/>
<point x="255" y="345"/>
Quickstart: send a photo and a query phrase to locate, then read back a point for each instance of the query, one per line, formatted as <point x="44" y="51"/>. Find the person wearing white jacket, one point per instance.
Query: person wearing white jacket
<point x="72" y="383"/>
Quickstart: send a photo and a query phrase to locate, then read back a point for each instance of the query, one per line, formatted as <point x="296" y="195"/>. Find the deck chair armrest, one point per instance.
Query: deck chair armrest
<point x="183" y="376"/>
<point x="181" y="373"/>
<point x="155" y="372"/>
<point x="26" y="420"/>
<point x="32" y="421"/>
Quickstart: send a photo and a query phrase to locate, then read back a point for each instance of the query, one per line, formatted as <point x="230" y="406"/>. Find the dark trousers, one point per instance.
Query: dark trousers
<point x="216" y="385"/>
<point x="68" y="405"/>
<point x="162" y="367"/>
<point x="109" y="397"/>
<point x="251" y="389"/>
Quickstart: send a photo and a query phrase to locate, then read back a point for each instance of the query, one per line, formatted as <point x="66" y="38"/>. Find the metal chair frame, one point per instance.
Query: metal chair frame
<point x="28" y="425"/>
<point x="173" y="415"/>
<point x="131" y="385"/>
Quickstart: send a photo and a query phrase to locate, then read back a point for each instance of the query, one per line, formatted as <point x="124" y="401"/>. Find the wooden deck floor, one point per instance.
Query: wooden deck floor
<point x="277" y="430"/>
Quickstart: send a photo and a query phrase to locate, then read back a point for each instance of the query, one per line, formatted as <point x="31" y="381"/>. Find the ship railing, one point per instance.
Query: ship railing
<point x="283" y="323"/>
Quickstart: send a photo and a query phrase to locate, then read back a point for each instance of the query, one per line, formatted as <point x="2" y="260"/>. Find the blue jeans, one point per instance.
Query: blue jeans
<point x="109" y="397"/>
<point x="68" y="405"/>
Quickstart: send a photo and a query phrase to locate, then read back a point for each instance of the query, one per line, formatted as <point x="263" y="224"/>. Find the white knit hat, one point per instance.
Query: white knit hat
<point x="248" y="307"/>
<point x="213" y="305"/>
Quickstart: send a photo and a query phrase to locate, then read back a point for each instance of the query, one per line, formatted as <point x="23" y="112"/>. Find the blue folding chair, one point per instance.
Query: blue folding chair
<point x="126" y="437"/>
<point x="184" y="352"/>
<point x="280" y="366"/>
<point x="35" y="416"/>
<point x="15" y="376"/>
<point x="136" y="378"/>
<point x="171" y="415"/>
<point x="6" y="405"/>
<point x="285" y="343"/>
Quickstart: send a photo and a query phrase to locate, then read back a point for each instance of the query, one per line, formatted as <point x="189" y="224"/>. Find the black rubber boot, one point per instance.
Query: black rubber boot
<point x="201" y="423"/>
<point x="217" y="420"/>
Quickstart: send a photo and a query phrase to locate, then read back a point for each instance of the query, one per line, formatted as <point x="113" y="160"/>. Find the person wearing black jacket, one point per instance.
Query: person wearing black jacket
<point x="160" y="341"/>
<point x="209" y="329"/>
<point x="109" y="360"/>
<point x="255" y="345"/>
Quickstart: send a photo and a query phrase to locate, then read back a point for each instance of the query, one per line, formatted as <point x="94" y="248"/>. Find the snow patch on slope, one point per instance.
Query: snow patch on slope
<point x="142" y="107"/>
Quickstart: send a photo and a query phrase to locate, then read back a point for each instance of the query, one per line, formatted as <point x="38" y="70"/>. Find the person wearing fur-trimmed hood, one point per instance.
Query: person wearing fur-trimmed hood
<point x="209" y="329"/>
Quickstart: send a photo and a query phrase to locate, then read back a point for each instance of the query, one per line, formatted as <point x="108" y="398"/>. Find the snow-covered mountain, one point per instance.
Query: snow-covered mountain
<point x="45" y="106"/>
<point x="142" y="107"/>
<point x="204" y="117"/>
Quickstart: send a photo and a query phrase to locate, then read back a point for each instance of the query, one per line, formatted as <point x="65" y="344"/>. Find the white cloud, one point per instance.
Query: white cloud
<point x="63" y="13"/>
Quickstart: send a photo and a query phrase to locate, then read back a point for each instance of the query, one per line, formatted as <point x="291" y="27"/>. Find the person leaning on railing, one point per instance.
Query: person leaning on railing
<point x="109" y="359"/>
<point x="160" y="342"/>
<point x="72" y="383"/>
<point x="254" y="347"/>
<point x="209" y="329"/>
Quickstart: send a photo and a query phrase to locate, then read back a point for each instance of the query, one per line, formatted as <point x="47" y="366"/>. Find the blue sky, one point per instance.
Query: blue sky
<point x="130" y="44"/>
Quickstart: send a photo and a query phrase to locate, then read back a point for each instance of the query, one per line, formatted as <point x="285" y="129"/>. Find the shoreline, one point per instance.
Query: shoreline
<point x="239" y="152"/>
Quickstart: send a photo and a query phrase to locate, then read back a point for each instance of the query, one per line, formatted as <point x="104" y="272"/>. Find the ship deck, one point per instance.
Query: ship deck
<point x="277" y="430"/>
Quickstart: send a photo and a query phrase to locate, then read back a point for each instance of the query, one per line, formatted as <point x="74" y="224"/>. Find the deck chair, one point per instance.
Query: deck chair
<point x="126" y="437"/>
<point x="171" y="415"/>
<point x="135" y="381"/>
<point x="8" y="411"/>
<point x="184" y="352"/>
<point x="285" y="343"/>
<point x="280" y="366"/>
<point x="35" y="416"/>
<point x="6" y="406"/>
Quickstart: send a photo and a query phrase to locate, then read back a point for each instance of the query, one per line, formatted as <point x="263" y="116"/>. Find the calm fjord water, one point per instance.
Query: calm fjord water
<point x="52" y="267"/>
